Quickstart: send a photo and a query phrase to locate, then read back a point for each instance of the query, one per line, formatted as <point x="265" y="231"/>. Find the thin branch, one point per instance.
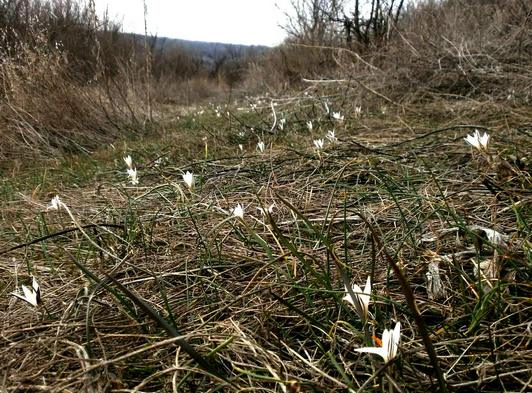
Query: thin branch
<point x="60" y="233"/>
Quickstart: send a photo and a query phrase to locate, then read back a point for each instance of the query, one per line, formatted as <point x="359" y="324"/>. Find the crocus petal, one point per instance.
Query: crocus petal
<point x="36" y="289"/>
<point x="18" y="295"/>
<point x="347" y="297"/>
<point x="263" y="211"/>
<point x="386" y="344"/>
<point x="375" y="350"/>
<point x="129" y="161"/>
<point x="484" y="140"/>
<point x="27" y="292"/>
<point x="360" y="300"/>
<point x="396" y="336"/>
<point x="132" y="173"/>
<point x="29" y="295"/>
<point x="357" y="290"/>
<point x="473" y="140"/>
<point x="367" y="288"/>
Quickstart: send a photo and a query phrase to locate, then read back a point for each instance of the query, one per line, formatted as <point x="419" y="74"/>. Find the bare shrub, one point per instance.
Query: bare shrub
<point x="50" y="98"/>
<point x="174" y="62"/>
<point x="466" y="48"/>
<point x="475" y="49"/>
<point x="283" y="68"/>
<point x="41" y="107"/>
<point x="316" y="28"/>
<point x="67" y="79"/>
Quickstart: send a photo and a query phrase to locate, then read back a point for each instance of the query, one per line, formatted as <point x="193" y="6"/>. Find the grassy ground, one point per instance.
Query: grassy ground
<point x="157" y="287"/>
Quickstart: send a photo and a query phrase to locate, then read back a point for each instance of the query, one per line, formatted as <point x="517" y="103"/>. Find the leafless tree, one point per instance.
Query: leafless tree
<point x="364" y="22"/>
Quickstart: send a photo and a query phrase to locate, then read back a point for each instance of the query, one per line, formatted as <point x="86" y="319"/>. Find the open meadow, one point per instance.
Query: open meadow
<point x="338" y="236"/>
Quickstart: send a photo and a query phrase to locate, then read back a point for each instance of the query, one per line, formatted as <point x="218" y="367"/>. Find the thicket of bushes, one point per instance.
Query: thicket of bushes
<point x="72" y="81"/>
<point x="465" y="48"/>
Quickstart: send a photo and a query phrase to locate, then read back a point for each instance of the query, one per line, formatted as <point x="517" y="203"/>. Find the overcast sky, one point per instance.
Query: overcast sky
<point x="250" y="22"/>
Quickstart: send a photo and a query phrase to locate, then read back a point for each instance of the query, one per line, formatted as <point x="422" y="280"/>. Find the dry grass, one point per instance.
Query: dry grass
<point x="155" y="287"/>
<point x="260" y="298"/>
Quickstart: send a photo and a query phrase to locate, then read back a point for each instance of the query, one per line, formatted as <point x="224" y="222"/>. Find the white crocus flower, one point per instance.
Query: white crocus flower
<point x="337" y="116"/>
<point x="31" y="295"/>
<point x="55" y="203"/>
<point x="331" y="136"/>
<point x="269" y="209"/>
<point x="238" y="211"/>
<point x="189" y="179"/>
<point x="361" y="299"/>
<point x="282" y="122"/>
<point x="319" y="143"/>
<point x="261" y="146"/>
<point x="492" y="235"/>
<point x="390" y="343"/>
<point x="133" y="177"/>
<point x="309" y="125"/>
<point x="129" y="162"/>
<point x="480" y="142"/>
<point x="358" y="111"/>
<point x="495" y="237"/>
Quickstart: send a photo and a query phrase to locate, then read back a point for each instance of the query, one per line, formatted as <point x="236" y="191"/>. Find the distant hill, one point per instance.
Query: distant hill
<point x="210" y="53"/>
<point x="211" y="49"/>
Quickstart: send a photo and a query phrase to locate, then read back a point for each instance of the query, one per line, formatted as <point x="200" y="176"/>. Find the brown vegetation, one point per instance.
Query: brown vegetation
<point x="157" y="286"/>
<point x="480" y="50"/>
<point x="72" y="81"/>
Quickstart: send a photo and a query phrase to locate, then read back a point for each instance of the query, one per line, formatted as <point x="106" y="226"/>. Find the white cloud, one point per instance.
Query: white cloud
<point x="232" y="21"/>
